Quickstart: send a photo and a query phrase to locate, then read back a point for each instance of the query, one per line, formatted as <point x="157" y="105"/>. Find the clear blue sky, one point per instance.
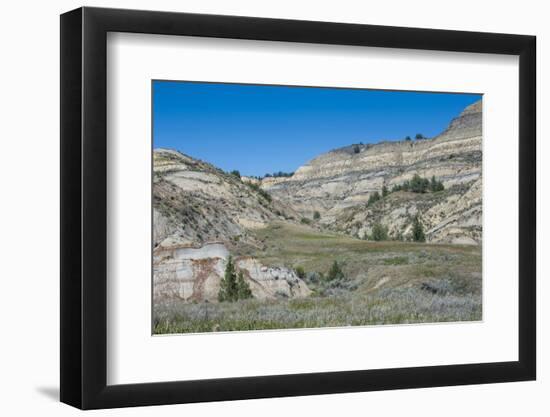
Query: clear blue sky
<point x="259" y="129"/>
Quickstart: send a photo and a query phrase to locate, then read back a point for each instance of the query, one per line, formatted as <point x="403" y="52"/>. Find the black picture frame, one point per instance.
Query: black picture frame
<point x="84" y="207"/>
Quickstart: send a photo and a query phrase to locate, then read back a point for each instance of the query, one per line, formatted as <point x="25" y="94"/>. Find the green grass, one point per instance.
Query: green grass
<point x="398" y="260"/>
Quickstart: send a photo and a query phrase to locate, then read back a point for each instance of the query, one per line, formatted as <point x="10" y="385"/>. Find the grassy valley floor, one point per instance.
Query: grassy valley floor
<point x="381" y="283"/>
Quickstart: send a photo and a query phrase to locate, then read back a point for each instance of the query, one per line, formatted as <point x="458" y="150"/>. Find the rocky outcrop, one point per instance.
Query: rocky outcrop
<point x="188" y="273"/>
<point x="339" y="183"/>
<point x="193" y="273"/>
<point x="271" y="282"/>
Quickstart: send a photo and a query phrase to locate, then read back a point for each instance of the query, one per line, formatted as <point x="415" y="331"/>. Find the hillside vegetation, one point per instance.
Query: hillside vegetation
<point x="381" y="283"/>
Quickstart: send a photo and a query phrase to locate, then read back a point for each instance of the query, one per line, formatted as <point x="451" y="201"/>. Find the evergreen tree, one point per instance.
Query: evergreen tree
<point x="436" y="185"/>
<point x="433" y="183"/>
<point x="418" y="231"/>
<point x="316" y="215"/>
<point x="385" y="191"/>
<point x="335" y="272"/>
<point x="300" y="272"/>
<point x="228" y="285"/>
<point x="419" y="184"/>
<point x="243" y="289"/>
<point x="379" y="232"/>
<point x="373" y="198"/>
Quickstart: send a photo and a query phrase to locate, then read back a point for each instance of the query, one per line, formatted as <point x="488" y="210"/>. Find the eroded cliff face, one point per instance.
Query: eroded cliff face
<point x="193" y="273"/>
<point x="339" y="183"/>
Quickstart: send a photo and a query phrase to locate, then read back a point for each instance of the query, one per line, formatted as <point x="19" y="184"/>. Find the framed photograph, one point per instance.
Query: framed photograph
<point x="257" y="208"/>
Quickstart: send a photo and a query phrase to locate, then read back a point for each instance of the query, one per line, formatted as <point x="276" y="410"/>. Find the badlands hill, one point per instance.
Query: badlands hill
<point x="339" y="183"/>
<point x="193" y="201"/>
<point x="200" y="214"/>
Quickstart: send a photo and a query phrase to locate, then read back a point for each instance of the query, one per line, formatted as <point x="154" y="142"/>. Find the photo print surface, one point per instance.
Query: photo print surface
<point x="288" y="207"/>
